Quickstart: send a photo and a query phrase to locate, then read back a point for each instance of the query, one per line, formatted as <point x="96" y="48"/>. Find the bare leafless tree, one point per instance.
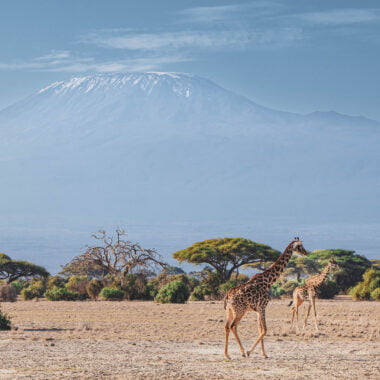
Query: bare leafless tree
<point x="115" y="255"/>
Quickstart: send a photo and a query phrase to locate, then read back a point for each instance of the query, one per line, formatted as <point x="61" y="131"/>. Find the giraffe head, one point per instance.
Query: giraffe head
<point x="334" y="265"/>
<point x="297" y="247"/>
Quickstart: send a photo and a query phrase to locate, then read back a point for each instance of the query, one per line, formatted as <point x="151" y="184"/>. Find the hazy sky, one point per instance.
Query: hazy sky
<point x="298" y="56"/>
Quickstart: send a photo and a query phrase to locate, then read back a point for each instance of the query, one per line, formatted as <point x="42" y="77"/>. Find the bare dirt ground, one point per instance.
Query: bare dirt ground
<point x="142" y="340"/>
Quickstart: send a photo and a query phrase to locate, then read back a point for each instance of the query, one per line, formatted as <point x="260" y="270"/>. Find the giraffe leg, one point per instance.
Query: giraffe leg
<point x="234" y="325"/>
<point x="227" y="328"/>
<point x="314" y="312"/>
<point x="307" y="315"/>
<point x="262" y="332"/>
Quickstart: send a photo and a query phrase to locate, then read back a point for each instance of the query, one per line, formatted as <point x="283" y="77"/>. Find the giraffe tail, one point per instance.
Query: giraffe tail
<point x="290" y="303"/>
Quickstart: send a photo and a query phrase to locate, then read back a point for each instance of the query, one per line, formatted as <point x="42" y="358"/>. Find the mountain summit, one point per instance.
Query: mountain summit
<point x="177" y="146"/>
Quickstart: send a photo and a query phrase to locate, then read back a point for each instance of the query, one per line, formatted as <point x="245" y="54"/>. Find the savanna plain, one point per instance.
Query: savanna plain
<point x="144" y="340"/>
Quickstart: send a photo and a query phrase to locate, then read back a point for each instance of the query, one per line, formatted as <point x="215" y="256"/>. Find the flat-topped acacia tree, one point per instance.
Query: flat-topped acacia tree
<point x="12" y="270"/>
<point x="227" y="255"/>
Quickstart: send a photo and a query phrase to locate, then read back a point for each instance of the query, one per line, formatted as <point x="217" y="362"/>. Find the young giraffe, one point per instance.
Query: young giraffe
<point x="308" y="292"/>
<point x="254" y="295"/>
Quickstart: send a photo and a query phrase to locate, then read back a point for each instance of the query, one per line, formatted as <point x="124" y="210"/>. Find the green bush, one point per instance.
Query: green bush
<point x="173" y="292"/>
<point x="58" y="281"/>
<point x="135" y="287"/>
<point x="61" y="294"/>
<point x="93" y="288"/>
<point x="276" y="291"/>
<point x="375" y="294"/>
<point x="77" y="284"/>
<point x="5" y="323"/>
<point x="328" y="289"/>
<point x="35" y="290"/>
<point x="370" y="284"/>
<point x="17" y="286"/>
<point x="199" y="293"/>
<point x="225" y="287"/>
<point x="111" y="294"/>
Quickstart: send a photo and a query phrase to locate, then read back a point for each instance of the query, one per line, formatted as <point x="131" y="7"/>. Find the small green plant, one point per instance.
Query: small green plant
<point x="5" y="323"/>
<point x="375" y="294"/>
<point x="60" y="294"/>
<point x="93" y="288"/>
<point x="111" y="294"/>
<point x="35" y="290"/>
<point x="199" y="293"/>
<point x="370" y="285"/>
<point x="58" y="281"/>
<point x="173" y="292"/>
<point x="17" y="286"/>
<point x="77" y="284"/>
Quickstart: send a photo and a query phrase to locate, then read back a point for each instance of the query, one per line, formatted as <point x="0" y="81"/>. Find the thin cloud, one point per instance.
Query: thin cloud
<point x="338" y="17"/>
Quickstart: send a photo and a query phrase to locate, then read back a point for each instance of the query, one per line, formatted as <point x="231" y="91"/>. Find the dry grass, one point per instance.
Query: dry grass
<point x="123" y="340"/>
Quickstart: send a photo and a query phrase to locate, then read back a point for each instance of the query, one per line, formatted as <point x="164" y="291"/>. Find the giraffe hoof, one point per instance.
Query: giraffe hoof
<point x="265" y="357"/>
<point x="247" y="354"/>
<point x="243" y="355"/>
<point x="228" y="357"/>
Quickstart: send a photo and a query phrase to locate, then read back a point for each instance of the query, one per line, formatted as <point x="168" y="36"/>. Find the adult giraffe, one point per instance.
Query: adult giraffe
<point x="254" y="295"/>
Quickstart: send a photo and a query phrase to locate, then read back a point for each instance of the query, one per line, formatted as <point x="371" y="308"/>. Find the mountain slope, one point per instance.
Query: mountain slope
<point x="154" y="146"/>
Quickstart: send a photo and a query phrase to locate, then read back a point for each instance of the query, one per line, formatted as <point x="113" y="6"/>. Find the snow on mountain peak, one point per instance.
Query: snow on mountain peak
<point x="178" y="82"/>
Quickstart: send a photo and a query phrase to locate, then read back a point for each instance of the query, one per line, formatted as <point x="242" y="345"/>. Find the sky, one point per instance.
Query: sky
<point x="296" y="56"/>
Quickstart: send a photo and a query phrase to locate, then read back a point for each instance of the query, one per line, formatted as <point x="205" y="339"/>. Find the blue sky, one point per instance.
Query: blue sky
<point x="298" y="56"/>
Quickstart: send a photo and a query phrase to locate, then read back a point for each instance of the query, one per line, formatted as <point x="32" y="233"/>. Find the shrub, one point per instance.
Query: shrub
<point x="111" y="294"/>
<point x="58" y="281"/>
<point x="93" y="288"/>
<point x="173" y="292"/>
<point x="135" y="287"/>
<point x="199" y="293"/>
<point x="77" y="284"/>
<point x="371" y="282"/>
<point x="276" y="291"/>
<point x="17" y="286"/>
<point x="7" y="293"/>
<point x="5" y="323"/>
<point x="35" y="290"/>
<point x="60" y="294"/>
<point x="328" y="289"/>
<point x="375" y="294"/>
<point x="225" y="287"/>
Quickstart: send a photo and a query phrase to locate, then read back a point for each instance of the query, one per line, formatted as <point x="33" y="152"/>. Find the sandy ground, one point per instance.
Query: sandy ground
<point x="142" y="340"/>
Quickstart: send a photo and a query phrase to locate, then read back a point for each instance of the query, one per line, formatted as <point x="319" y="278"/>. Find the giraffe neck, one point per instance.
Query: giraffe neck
<point x="273" y="273"/>
<point x="317" y="280"/>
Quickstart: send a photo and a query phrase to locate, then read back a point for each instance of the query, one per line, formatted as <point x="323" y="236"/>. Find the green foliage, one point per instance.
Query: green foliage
<point x="93" y="288"/>
<point x="5" y="323"/>
<point x="77" y="284"/>
<point x="15" y="269"/>
<point x="225" y="287"/>
<point x="370" y="285"/>
<point x="328" y="289"/>
<point x="173" y="292"/>
<point x="58" y="281"/>
<point x="352" y="266"/>
<point x="276" y="291"/>
<point x="35" y="290"/>
<point x="135" y="287"/>
<point x="199" y="293"/>
<point x="302" y="266"/>
<point x="60" y="294"/>
<point x="226" y="255"/>
<point x="375" y="294"/>
<point x="17" y="286"/>
<point x="111" y="294"/>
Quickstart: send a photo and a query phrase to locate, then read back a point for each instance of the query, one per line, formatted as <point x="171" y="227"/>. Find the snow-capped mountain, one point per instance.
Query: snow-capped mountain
<point x="170" y="146"/>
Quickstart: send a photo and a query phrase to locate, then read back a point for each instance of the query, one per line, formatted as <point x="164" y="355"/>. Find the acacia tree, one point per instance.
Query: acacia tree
<point x="226" y="255"/>
<point x="11" y="270"/>
<point x="116" y="256"/>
